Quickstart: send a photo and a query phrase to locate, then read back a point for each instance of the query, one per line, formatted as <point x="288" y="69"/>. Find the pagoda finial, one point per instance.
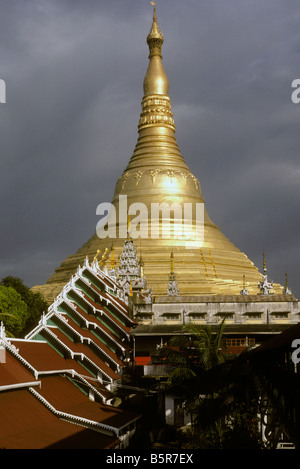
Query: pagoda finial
<point x="172" y="262"/>
<point x="265" y="285"/>
<point x="156" y="81"/>
<point x="112" y="258"/>
<point x="97" y="254"/>
<point x="103" y="258"/>
<point x="142" y="266"/>
<point x="154" y="10"/>
<point x="155" y="38"/>
<point x="244" y="290"/>
<point x="128" y="227"/>
<point x="287" y="291"/>
<point x="264" y="262"/>
<point x="172" y="285"/>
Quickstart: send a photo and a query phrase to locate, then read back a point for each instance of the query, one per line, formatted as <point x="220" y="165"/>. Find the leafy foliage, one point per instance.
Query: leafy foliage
<point x="192" y="354"/>
<point x="13" y="311"/>
<point x="219" y="393"/>
<point x="34" y="303"/>
<point x="239" y="431"/>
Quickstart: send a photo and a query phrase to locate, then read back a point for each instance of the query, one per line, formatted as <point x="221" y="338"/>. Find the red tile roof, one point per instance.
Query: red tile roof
<point x="12" y="372"/>
<point x="44" y="358"/>
<point x="71" y="400"/>
<point x="31" y="417"/>
<point x="27" y="424"/>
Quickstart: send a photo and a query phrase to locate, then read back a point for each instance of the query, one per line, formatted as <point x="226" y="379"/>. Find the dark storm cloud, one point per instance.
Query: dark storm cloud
<point x="74" y="72"/>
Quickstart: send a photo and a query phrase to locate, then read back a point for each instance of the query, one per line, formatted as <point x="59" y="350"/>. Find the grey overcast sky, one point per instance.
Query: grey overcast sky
<point x="74" y="71"/>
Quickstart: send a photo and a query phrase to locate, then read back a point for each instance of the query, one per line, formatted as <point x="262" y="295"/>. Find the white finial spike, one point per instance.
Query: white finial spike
<point x="2" y="331"/>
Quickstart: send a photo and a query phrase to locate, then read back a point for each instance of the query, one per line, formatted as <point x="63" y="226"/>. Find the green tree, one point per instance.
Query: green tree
<point x="13" y="311"/>
<point x="225" y="410"/>
<point x="218" y="392"/>
<point x="193" y="353"/>
<point x="238" y="431"/>
<point x="34" y="301"/>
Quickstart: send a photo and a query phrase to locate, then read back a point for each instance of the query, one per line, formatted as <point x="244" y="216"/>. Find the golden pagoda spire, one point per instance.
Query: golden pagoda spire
<point x="103" y="258"/>
<point x="158" y="174"/>
<point x="112" y="258"/>
<point x="155" y="38"/>
<point x="172" y="262"/>
<point x="244" y="290"/>
<point x="97" y="254"/>
<point x="157" y="155"/>
<point x="156" y="81"/>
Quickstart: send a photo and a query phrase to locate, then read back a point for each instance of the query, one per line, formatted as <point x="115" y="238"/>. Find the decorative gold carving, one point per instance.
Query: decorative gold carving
<point x="195" y="181"/>
<point x="138" y="176"/>
<point x="154" y="173"/>
<point x="183" y="175"/>
<point x="171" y="175"/>
<point x="124" y="178"/>
<point x="156" y="110"/>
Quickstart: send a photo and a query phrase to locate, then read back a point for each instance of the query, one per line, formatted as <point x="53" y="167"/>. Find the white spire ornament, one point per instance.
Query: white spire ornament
<point x="172" y="285"/>
<point x="265" y="285"/>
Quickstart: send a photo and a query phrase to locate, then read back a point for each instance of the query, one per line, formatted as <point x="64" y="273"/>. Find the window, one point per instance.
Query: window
<point x="254" y="315"/>
<point x="172" y="317"/>
<point x="144" y="318"/>
<point x="226" y="315"/>
<point x="197" y="316"/>
<point x="239" y="342"/>
<point x="280" y="315"/>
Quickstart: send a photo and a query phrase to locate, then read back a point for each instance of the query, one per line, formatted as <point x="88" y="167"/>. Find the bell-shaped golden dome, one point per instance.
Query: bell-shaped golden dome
<point x="158" y="174"/>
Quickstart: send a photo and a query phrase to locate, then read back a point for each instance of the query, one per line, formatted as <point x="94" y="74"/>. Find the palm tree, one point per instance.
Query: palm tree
<point x="207" y="343"/>
<point x="192" y="354"/>
<point x="209" y="385"/>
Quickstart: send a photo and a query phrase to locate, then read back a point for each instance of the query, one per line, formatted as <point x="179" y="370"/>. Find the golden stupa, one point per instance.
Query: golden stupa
<point x="158" y="173"/>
